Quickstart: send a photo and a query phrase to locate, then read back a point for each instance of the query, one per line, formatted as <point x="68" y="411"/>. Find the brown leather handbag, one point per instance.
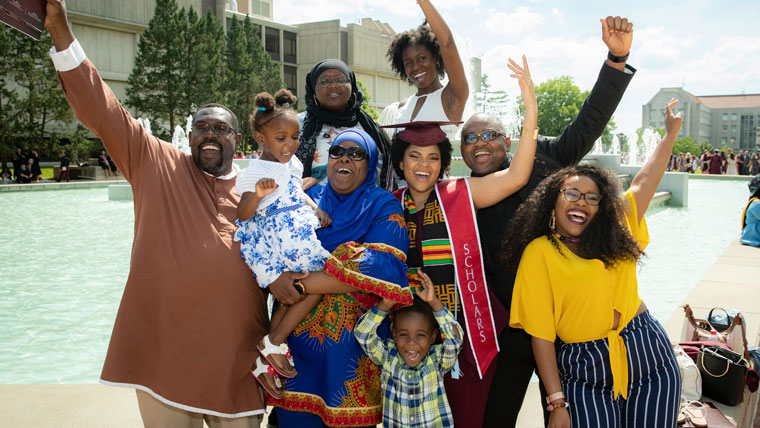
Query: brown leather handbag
<point x="696" y="329"/>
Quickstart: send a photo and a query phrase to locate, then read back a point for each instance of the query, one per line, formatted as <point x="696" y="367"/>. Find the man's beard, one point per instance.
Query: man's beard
<point x="211" y="167"/>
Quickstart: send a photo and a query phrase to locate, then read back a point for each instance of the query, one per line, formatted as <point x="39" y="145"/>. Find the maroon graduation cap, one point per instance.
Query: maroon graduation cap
<point x="422" y="133"/>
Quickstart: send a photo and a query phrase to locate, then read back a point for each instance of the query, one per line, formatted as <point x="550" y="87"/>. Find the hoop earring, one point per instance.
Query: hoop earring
<point x="316" y="101"/>
<point x="552" y="222"/>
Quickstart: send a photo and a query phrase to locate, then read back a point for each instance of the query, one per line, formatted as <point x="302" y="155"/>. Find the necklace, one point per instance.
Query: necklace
<point x="566" y="238"/>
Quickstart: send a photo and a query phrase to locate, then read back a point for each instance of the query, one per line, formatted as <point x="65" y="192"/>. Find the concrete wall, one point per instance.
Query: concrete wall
<point x="701" y="122"/>
<point x="365" y="55"/>
<point x="696" y="116"/>
<point x="676" y="183"/>
<point x="719" y="134"/>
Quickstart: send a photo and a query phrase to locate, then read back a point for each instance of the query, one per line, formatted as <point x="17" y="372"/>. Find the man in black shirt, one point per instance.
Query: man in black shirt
<point x="516" y="364"/>
<point x="65" y="161"/>
<point x="18" y="159"/>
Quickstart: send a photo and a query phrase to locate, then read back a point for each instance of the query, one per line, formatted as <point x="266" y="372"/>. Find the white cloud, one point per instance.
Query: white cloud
<point x="559" y="18"/>
<point x="296" y="12"/>
<point x="670" y="47"/>
<point x="522" y="20"/>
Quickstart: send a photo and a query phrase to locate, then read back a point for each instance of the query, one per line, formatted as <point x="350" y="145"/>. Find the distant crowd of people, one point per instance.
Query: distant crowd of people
<point x="26" y="167"/>
<point x="719" y="162"/>
<point x="248" y="154"/>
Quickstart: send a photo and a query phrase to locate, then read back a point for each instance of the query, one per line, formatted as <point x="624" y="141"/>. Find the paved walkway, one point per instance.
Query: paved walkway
<point x="732" y="282"/>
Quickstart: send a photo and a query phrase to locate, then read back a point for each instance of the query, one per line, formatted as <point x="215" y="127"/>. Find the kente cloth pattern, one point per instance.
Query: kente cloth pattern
<point x="432" y="252"/>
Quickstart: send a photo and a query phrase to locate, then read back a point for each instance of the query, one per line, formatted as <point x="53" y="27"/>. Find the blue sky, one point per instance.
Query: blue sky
<point x="709" y="47"/>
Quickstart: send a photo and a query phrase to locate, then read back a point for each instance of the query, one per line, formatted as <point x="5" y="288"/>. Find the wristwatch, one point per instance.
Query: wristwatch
<point x="617" y="59"/>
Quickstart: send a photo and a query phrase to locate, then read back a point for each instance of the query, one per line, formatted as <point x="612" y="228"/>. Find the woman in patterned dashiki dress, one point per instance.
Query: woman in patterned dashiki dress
<point x="337" y="385"/>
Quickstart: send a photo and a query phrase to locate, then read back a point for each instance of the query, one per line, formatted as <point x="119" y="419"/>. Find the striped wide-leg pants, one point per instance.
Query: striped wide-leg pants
<point x="654" y="386"/>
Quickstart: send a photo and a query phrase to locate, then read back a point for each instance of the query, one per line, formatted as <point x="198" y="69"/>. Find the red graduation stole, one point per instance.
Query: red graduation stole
<point x="456" y="205"/>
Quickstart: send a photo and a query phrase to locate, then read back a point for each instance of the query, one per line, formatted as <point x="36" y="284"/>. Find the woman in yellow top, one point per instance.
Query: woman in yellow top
<point x="577" y="243"/>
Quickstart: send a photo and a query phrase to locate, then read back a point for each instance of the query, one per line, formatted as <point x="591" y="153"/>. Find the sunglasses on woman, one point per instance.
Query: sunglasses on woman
<point x="353" y="153"/>
<point x="574" y="195"/>
<point x="487" y="135"/>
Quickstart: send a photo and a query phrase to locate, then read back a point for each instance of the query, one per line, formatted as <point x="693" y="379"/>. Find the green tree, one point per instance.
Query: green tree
<point x="204" y="64"/>
<point x="79" y="145"/>
<point x="685" y="145"/>
<point x="156" y="82"/>
<point x="370" y="110"/>
<point x="249" y="70"/>
<point x="7" y="97"/>
<point x="559" y="102"/>
<point x="37" y="99"/>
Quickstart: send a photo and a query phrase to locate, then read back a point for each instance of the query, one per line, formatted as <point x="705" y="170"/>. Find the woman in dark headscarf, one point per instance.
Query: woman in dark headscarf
<point x="333" y="104"/>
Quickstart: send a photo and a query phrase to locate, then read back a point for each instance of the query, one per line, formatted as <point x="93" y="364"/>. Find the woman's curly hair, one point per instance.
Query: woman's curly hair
<point x="399" y="146"/>
<point x="423" y="36"/>
<point x="269" y="107"/>
<point x="605" y="238"/>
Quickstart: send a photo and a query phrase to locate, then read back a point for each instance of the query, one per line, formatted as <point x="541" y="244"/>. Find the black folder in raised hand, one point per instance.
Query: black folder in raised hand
<point x="27" y="16"/>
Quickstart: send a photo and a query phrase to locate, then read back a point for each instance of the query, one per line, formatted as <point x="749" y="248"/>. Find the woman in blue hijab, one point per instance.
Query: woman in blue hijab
<point x="337" y="385"/>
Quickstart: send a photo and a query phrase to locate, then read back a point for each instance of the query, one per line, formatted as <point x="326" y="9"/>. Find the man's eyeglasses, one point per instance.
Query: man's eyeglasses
<point x="340" y="81"/>
<point x="487" y="135"/>
<point x="218" y="128"/>
<point x="353" y="153"/>
<point x="574" y="195"/>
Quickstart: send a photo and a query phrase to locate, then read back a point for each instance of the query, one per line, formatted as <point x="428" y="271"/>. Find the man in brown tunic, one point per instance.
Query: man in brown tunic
<point x="186" y="332"/>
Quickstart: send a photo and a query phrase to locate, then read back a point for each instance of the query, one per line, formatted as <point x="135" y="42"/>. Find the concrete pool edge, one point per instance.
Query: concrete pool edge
<point x="53" y="185"/>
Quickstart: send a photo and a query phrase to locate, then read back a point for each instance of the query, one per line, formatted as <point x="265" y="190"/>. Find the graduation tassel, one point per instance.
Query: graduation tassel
<point x="456" y="372"/>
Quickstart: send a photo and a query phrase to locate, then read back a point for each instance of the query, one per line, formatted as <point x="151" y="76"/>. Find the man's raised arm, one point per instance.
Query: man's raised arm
<point x="579" y="137"/>
<point x="92" y="100"/>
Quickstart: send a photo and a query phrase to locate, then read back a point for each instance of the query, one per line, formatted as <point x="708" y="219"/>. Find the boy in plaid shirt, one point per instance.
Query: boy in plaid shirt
<point x="412" y="367"/>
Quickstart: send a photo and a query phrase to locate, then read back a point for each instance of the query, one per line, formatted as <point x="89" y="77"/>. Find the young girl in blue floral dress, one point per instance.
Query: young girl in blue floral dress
<point x="277" y="221"/>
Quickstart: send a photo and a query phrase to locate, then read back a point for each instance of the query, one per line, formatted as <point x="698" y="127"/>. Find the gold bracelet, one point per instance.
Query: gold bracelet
<point x="299" y="286"/>
<point x="535" y="133"/>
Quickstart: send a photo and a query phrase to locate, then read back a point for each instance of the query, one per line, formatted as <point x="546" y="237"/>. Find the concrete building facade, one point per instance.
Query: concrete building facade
<point x="722" y="120"/>
<point x="109" y="32"/>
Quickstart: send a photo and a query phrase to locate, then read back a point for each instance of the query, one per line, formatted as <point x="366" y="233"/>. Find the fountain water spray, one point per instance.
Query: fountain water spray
<point x="145" y="123"/>
<point x="615" y="147"/>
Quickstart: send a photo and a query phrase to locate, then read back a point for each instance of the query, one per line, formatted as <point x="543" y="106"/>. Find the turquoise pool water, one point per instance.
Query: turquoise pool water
<point x="65" y="258"/>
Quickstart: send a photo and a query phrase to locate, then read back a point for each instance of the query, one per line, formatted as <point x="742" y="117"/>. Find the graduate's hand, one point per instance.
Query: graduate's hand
<point x="525" y="81"/>
<point x="57" y="24"/>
